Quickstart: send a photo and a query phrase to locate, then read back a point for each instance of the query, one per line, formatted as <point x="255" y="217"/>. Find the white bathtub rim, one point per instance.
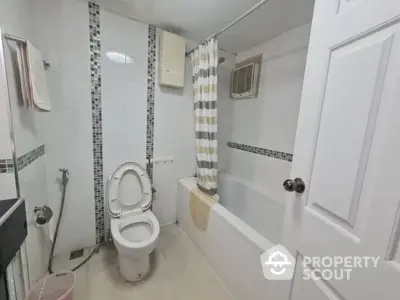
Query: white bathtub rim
<point x="245" y="230"/>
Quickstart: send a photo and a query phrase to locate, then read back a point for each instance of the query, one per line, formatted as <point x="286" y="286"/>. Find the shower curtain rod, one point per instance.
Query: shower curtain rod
<point x="251" y="10"/>
<point x="22" y="41"/>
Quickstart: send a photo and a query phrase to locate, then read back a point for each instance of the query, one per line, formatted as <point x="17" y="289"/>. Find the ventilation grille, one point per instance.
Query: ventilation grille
<point x="244" y="82"/>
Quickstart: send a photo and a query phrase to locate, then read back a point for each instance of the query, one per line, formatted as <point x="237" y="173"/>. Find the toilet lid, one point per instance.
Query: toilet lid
<point x="129" y="190"/>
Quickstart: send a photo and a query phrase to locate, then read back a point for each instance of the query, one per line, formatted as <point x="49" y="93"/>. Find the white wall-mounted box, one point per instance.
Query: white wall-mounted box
<point x="172" y="60"/>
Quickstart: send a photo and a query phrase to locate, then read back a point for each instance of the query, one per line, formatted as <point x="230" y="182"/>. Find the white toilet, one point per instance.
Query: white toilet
<point x="134" y="228"/>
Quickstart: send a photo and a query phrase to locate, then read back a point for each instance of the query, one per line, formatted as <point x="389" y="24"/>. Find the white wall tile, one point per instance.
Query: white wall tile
<point x="5" y="146"/>
<point x="17" y="19"/>
<point x="7" y="186"/>
<point x="173" y="136"/>
<point x="124" y="93"/>
<point x="33" y="183"/>
<point x="62" y="35"/>
<point x="225" y="108"/>
<point x="270" y="120"/>
<point x="26" y="131"/>
<point x="68" y="127"/>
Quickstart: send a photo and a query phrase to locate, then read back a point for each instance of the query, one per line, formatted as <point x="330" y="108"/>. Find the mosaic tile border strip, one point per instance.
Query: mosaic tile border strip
<point x="97" y="130"/>
<point x="151" y="83"/>
<point x="7" y="165"/>
<point x="261" y="151"/>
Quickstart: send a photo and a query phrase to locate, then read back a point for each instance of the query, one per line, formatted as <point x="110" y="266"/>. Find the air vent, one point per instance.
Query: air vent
<point x="244" y="83"/>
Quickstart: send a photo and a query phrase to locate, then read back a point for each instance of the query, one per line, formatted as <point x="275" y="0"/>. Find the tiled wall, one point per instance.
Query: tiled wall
<point x="151" y="82"/>
<point x="95" y="76"/>
<point x="174" y="137"/>
<point x="62" y="35"/>
<point x="261" y="151"/>
<point x="97" y="85"/>
<point x="263" y="130"/>
<point x="124" y="93"/>
<point x="89" y="131"/>
<point x="17" y="19"/>
<point x="7" y="165"/>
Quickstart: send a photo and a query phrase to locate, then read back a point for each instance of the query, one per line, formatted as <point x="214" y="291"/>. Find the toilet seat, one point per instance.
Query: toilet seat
<point x="134" y="228"/>
<point x="124" y="205"/>
<point x="117" y="225"/>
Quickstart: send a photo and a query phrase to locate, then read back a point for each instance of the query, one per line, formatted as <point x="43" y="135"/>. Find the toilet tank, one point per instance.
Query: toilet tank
<point x="172" y="60"/>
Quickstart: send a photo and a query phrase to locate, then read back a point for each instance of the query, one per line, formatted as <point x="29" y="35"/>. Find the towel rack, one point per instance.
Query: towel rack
<point x="22" y="41"/>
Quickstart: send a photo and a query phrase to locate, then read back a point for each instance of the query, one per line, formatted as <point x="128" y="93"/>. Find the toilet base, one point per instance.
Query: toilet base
<point x="134" y="269"/>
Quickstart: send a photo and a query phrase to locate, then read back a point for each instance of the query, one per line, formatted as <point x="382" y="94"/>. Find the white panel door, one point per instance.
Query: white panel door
<point x="347" y="150"/>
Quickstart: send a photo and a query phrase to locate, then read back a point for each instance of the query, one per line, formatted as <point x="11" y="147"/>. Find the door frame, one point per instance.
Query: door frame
<point x="308" y="126"/>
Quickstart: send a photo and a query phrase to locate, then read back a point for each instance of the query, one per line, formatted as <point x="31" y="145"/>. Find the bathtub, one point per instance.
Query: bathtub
<point x="237" y="234"/>
<point x="252" y="205"/>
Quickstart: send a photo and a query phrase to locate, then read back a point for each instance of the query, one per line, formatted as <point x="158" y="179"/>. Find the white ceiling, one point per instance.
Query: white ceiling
<point x="197" y="19"/>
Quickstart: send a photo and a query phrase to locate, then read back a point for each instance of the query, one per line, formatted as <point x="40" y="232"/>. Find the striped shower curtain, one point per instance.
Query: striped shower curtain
<point x="205" y="62"/>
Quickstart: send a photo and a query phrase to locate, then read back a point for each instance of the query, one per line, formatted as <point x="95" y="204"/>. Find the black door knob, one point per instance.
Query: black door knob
<point x="294" y="185"/>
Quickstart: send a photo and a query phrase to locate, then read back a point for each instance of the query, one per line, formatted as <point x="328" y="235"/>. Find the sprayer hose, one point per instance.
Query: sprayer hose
<point x="53" y="245"/>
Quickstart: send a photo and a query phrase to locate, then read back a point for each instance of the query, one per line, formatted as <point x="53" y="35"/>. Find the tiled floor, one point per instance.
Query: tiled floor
<point x="179" y="273"/>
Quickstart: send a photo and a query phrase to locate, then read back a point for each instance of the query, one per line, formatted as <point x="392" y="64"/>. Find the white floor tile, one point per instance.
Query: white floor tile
<point x="179" y="272"/>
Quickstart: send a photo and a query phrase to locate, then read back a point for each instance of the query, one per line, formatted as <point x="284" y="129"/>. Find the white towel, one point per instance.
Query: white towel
<point x="33" y="78"/>
<point x="23" y="75"/>
<point x="37" y="76"/>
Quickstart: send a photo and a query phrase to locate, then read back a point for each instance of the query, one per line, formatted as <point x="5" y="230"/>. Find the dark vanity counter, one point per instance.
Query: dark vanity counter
<point x="13" y="229"/>
<point x="5" y="206"/>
